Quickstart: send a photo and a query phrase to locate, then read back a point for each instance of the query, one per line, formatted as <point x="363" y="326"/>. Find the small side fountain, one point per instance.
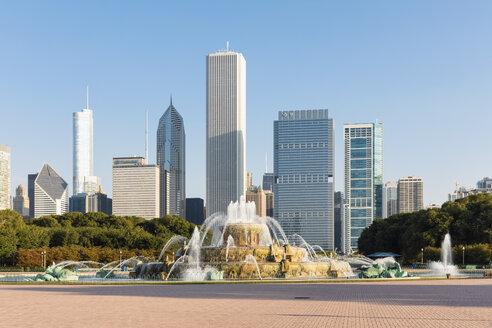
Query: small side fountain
<point x="444" y="267"/>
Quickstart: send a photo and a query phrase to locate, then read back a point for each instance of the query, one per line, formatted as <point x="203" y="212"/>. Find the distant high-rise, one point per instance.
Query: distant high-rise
<point x="50" y="193"/>
<point x="268" y="179"/>
<point x="85" y="203"/>
<point x="226" y="129"/>
<point x="390" y="199"/>
<point x="21" y="202"/>
<point x="303" y="169"/>
<point x="171" y="161"/>
<point x="410" y="194"/>
<point x="485" y="183"/>
<point x="195" y="212"/>
<point x="135" y="188"/>
<point x="84" y="180"/>
<point x="4" y="177"/>
<point x="257" y="196"/>
<point x="338" y="219"/>
<point x="363" y="179"/>
<point x="30" y="192"/>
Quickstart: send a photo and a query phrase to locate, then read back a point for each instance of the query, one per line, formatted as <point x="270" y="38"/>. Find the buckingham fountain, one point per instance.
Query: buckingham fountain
<point x="242" y="245"/>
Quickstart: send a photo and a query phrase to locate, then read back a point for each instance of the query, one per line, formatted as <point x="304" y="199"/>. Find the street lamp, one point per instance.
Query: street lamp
<point x="422" y="259"/>
<point x="120" y="256"/>
<point x="463" y="255"/>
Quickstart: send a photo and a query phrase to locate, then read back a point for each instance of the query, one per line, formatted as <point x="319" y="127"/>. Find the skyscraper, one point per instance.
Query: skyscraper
<point x="50" y="193"/>
<point x="21" y="201"/>
<point x="390" y="199"/>
<point x="338" y="219"/>
<point x="171" y="161"/>
<point x="268" y="179"/>
<point x="303" y="168"/>
<point x="30" y="192"/>
<point x="84" y="180"/>
<point x="4" y="177"/>
<point x="410" y="194"/>
<point x="135" y="188"/>
<point x="98" y="202"/>
<point x="226" y="129"/>
<point x="195" y="213"/>
<point x="363" y="179"/>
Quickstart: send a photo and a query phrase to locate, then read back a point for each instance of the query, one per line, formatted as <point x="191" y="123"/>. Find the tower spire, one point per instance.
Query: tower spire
<point x="87" y="97"/>
<point x="146" y="135"/>
<point x="171" y="103"/>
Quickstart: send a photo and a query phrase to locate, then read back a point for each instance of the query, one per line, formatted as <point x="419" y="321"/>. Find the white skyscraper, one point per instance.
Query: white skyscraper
<point x="4" y="177"/>
<point x="390" y="199"/>
<point x="226" y="129"/>
<point x="84" y="180"/>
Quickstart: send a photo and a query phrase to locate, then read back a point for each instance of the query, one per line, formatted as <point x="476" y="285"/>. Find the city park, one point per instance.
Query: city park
<point x="241" y="246"/>
<point x="241" y="270"/>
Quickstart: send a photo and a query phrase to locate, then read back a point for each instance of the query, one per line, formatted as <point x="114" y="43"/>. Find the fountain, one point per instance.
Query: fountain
<point x="243" y="246"/>
<point x="444" y="267"/>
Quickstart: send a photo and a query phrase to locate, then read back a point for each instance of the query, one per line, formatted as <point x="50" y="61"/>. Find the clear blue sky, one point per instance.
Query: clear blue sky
<point x="423" y="68"/>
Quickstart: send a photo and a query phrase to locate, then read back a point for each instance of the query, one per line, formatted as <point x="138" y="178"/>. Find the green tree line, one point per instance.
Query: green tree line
<point x="87" y="231"/>
<point x="467" y="220"/>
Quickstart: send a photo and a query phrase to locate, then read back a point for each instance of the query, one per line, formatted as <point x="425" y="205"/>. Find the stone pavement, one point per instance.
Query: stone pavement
<point x="443" y="303"/>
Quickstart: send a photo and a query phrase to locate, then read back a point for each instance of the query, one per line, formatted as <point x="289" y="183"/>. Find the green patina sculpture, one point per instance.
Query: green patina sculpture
<point x="379" y="271"/>
<point x="57" y="274"/>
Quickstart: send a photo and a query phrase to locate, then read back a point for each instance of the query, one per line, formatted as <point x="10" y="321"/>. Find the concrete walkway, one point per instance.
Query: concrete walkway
<point x="443" y="303"/>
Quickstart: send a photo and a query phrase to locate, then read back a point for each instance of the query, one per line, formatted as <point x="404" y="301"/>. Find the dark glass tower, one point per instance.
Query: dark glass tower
<point x="303" y="169"/>
<point x="171" y="161"/>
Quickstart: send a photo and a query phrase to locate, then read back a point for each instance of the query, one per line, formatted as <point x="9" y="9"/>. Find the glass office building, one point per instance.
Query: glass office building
<point x="303" y="169"/>
<point x="171" y="140"/>
<point x="363" y="179"/>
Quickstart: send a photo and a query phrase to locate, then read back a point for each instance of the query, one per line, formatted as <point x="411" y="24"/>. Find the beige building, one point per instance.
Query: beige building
<point x="4" y="177"/>
<point x="257" y="195"/>
<point x="410" y="194"/>
<point x="21" y="201"/>
<point x="135" y="188"/>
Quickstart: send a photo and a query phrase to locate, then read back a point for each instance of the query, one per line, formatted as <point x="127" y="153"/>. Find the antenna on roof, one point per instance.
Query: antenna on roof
<point x="87" y="96"/>
<point x="227" y="46"/>
<point x="266" y="162"/>
<point x="146" y="135"/>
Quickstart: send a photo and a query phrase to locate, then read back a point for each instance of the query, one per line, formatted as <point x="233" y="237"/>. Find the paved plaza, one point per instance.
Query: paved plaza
<point x="443" y="303"/>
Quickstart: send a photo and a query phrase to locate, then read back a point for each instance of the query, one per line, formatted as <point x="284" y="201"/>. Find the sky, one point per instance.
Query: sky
<point x="422" y="68"/>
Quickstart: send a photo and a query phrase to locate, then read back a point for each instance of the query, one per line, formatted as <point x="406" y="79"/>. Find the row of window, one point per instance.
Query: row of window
<point x="301" y="214"/>
<point x="312" y="145"/>
<point x="304" y="178"/>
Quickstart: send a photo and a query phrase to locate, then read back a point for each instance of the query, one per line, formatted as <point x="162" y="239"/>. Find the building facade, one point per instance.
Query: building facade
<point x="410" y="194"/>
<point x="226" y="130"/>
<point x="136" y="189"/>
<point x="195" y="211"/>
<point x="268" y="179"/>
<point x="257" y="196"/>
<point x="4" y="177"/>
<point x="338" y="213"/>
<point x="304" y="175"/>
<point x="86" y="203"/>
<point x="171" y="161"/>
<point x="21" y="202"/>
<point x="390" y="199"/>
<point x="30" y="192"/>
<point x="84" y="180"/>
<point x="485" y="183"/>
<point x="50" y="193"/>
<point x="363" y="179"/>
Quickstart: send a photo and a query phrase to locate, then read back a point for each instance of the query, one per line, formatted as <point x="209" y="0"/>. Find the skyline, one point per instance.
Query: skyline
<point x="368" y="72"/>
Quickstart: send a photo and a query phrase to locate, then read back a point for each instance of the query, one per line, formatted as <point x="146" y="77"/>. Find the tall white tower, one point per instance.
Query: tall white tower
<point x="84" y="180"/>
<point x="226" y="129"/>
